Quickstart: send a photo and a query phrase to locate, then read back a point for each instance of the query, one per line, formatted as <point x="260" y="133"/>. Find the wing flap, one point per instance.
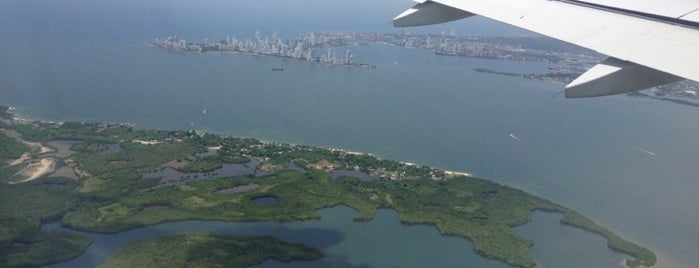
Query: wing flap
<point x="667" y="47"/>
<point x="615" y="76"/>
<point x="429" y="12"/>
<point x="656" y="47"/>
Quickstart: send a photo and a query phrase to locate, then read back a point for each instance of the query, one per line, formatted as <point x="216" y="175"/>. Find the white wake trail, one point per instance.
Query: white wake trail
<point x="520" y="141"/>
<point x="643" y="151"/>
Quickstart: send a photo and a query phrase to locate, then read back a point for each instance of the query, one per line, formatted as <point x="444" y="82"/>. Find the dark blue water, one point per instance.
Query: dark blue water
<point x="267" y="199"/>
<point x="89" y="61"/>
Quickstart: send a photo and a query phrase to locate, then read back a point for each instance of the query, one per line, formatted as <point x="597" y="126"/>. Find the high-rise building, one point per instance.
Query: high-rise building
<point x="309" y="56"/>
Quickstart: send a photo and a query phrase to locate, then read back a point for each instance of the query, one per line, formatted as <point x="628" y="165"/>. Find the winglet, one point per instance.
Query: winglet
<point x="615" y="76"/>
<point x="429" y="12"/>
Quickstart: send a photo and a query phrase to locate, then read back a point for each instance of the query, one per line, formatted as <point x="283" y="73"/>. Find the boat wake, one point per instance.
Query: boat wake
<point x="643" y="151"/>
<point x="520" y="141"/>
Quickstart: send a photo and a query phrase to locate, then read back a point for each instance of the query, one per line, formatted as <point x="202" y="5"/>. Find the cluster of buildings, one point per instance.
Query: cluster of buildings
<point x="505" y="48"/>
<point x="308" y="48"/>
<point x="682" y="89"/>
<point x="318" y="47"/>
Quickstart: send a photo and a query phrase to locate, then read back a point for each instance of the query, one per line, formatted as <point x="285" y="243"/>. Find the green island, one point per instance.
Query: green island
<point x="113" y="177"/>
<point x="208" y="250"/>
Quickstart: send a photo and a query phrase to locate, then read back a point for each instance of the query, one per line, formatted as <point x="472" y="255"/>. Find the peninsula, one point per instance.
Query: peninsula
<point x="113" y="177"/>
<point x="304" y="49"/>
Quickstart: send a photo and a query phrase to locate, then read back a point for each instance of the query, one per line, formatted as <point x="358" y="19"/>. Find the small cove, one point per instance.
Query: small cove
<point x="381" y="242"/>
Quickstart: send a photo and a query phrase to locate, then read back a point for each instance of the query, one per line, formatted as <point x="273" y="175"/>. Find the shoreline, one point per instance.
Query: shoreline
<point x="321" y="196"/>
<point x="250" y="53"/>
<point x="662" y="258"/>
<point x="25" y="119"/>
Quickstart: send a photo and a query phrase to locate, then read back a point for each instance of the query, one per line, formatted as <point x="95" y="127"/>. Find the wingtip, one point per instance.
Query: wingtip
<point x="427" y="13"/>
<point x="614" y="76"/>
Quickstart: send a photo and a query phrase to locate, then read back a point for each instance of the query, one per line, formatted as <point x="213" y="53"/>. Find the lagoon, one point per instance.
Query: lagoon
<point x="381" y="242"/>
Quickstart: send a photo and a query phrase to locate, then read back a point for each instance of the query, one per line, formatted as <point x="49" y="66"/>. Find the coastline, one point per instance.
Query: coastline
<point x="114" y="213"/>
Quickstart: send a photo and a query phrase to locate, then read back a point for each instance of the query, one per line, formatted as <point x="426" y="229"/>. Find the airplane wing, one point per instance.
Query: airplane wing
<point x="649" y="42"/>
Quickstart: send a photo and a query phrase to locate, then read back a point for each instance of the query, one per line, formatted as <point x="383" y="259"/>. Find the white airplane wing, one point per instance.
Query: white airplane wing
<point x="649" y="42"/>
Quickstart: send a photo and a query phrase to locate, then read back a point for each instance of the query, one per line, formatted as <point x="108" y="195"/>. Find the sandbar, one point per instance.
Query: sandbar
<point x="36" y="170"/>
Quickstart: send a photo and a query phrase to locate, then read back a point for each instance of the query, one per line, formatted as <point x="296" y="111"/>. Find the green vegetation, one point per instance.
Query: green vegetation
<point x="23" y="208"/>
<point x="5" y="112"/>
<point x="206" y="250"/>
<point x="11" y="148"/>
<point x="42" y="248"/>
<point x="121" y="172"/>
<point x="642" y="256"/>
<point x="111" y="194"/>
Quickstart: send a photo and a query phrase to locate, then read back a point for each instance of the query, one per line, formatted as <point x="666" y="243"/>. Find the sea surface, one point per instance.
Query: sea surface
<point x="628" y="163"/>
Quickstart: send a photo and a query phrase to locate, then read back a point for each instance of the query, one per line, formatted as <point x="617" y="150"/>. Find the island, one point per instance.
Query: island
<point x="108" y="178"/>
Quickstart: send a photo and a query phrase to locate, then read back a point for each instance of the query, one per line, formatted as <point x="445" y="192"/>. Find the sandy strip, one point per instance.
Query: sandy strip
<point x="36" y="170"/>
<point x="151" y="142"/>
<point x="45" y="149"/>
<point x="20" y="160"/>
<point x="457" y="173"/>
<point x="35" y="145"/>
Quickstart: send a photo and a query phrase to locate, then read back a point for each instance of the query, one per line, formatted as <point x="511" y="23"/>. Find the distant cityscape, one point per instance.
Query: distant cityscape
<point x="304" y="48"/>
<point x="319" y="47"/>
<point x="503" y="48"/>
<point x="568" y="61"/>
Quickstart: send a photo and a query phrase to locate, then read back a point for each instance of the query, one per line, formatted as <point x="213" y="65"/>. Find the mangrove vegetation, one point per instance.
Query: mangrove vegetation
<point x="158" y="176"/>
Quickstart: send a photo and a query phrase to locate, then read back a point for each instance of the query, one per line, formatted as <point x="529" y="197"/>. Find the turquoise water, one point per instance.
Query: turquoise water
<point x="89" y="61"/>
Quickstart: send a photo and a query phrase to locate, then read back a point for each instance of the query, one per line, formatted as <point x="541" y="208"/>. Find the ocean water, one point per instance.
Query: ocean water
<point x="90" y="61"/>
